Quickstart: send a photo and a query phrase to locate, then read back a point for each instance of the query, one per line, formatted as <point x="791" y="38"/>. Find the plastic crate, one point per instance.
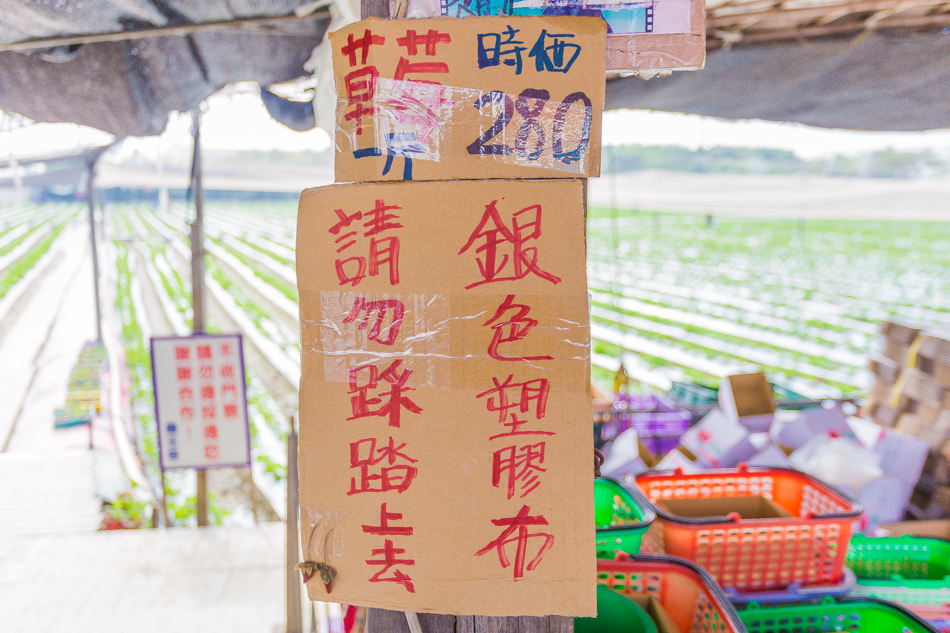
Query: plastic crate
<point x="656" y="420"/>
<point x="690" y="394"/>
<point x="687" y="592"/>
<point x="622" y="517"/>
<point x="913" y="572"/>
<point x="865" y="615"/>
<point x="807" y="548"/>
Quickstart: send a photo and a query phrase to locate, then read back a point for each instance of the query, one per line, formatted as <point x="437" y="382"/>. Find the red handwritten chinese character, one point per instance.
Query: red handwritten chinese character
<point x="384" y="529"/>
<point x="377" y="220"/>
<point x="211" y="431"/>
<point x="518" y="463"/>
<point x="225" y="349"/>
<point x="182" y="353"/>
<point x="185" y="393"/>
<point x="389" y="560"/>
<point x="523" y="259"/>
<point x="364" y="454"/>
<point x="183" y="373"/>
<point x="204" y="351"/>
<point x="517" y="326"/>
<point x="361" y="45"/>
<point x="520" y="522"/>
<point x="405" y="67"/>
<point x="412" y="40"/>
<point x="227" y="371"/>
<point x="381" y="308"/>
<point x="207" y="392"/>
<point x="361" y="401"/>
<point x="187" y="413"/>
<point x="211" y="451"/>
<point x="229" y="392"/>
<point x="206" y="372"/>
<point x="208" y="412"/>
<point x="230" y="411"/>
<point x="524" y="394"/>
<point x="360" y="89"/>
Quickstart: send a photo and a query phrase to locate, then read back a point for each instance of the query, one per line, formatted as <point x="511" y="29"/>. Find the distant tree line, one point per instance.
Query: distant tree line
<point x="886" y="163"/>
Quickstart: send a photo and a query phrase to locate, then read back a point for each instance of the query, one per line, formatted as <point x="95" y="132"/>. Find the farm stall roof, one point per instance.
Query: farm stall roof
<point x="860" y="64"/>
<point x="128" y="63"/>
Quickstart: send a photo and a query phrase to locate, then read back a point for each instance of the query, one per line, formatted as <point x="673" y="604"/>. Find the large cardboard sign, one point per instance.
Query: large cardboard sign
<point x="445" y="434"/>
<point x="200" y="401"/>
<point x="643" y="35"/>
<point x="438" y="99"/>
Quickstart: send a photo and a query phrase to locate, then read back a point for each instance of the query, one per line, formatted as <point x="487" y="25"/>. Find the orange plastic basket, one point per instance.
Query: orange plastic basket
<point x="750" y="555"/>
<point x="689" y="595"/>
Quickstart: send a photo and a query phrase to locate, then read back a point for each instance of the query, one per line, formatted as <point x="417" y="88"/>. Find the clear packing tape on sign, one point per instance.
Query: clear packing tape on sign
<point x="412" y="118"/>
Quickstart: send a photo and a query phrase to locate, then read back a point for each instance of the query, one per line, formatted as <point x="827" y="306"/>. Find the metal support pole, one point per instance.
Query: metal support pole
<point x="294" y="615"/>
<point x="198" y="289"/>
<point x="91" y="197"/>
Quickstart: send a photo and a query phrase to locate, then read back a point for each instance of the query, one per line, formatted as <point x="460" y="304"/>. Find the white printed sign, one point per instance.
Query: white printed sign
<point x="200" y="401"/>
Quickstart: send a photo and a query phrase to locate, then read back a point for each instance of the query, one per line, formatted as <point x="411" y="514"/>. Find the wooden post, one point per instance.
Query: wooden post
<point x="294" y="615"/>
<point x="168" y="522"/>
<point x="197" y="289"/>
<point x="201" y="507"/>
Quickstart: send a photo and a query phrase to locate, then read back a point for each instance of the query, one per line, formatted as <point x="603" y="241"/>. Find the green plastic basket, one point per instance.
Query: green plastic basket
<point x="622" y="517"/>
<point x="866" y="615"/>
<point x="911" y="571"/>
<point x="911" y="557"/>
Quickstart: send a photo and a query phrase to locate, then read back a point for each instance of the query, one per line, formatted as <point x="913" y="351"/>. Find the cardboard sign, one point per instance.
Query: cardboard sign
<point x="200" y="401"/>
<point x="439" y="99"/>
<point x="444" y="401"/>
<point x="644" y="35"/>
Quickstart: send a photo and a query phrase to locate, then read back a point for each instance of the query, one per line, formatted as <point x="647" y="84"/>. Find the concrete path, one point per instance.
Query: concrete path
<point x="184" y="580"/>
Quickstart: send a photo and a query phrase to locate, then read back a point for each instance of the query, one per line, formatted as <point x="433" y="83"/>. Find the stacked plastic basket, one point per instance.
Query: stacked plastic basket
<point x="762" y="574"/>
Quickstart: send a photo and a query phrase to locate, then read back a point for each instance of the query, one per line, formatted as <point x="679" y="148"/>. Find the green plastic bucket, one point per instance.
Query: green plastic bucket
<point x="866" y="615"/>
<point x="615" y="614"/>
<point x="622" y="518"/>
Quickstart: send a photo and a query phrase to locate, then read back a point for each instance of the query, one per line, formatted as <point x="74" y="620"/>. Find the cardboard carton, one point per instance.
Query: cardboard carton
<point x="773" y="456"/>
<point x="680" y="459"/>
<point x="753" y="507"/>
<point x="925" y="389"/>
<point x="935" y="345"/>
<point x="748" y="399"/>
<point x="901" y="332"/>
<point x="886" y="370"/>
<point x="882" y="391"/>
<point x="895" y="351"/>
<point x="718" y="441"/>
<point x="935" y="369"/>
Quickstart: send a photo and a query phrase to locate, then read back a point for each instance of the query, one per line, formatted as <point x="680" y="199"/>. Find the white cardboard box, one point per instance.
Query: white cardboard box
<point x="718" y="441"/>
<point x="747" y="398"/>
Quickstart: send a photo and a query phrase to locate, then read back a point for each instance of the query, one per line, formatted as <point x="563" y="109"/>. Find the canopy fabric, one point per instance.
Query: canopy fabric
<point x="888" y="81"/>
<point x="128" y="87"/>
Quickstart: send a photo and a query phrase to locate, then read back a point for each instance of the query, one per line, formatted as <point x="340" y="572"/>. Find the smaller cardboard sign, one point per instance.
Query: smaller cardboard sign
<point x="658" y="35"/>
<point x="926" y="529"/>
<point x="200" y="401"/>
<point x="442" y="99"/>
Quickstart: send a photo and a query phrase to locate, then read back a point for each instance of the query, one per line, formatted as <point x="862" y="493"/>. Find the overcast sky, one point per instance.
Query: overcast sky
<point x="239" y="121"/>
